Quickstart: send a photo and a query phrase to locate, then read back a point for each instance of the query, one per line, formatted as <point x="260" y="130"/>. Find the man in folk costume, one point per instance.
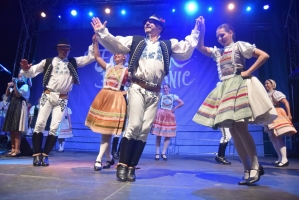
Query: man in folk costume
<point x="60" y="73"/>
<point x="148" y="65"/>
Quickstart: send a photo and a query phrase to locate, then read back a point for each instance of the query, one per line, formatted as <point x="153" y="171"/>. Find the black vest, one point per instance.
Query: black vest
<point x="137" y="47"/>
<point x="72" y="65"/>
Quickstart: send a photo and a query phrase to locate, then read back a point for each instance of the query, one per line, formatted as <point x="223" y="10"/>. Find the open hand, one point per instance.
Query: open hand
<point x="24" y="65"/>
<point x="97" y="24"/>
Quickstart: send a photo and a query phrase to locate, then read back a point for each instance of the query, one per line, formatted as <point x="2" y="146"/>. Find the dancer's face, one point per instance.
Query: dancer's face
<point x="166" y="89"/>
<point x="63" y="51"/>
<point x="268" y="85"/>
<point x="152" y="27"/>
<point x="224" y="37"/>
<point x="119" y="58"/>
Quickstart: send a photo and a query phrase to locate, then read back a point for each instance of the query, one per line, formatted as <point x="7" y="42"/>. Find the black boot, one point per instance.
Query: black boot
<point x="125" y="158"/>
<point x="50" y="143"/>
<point x="114" y="147"/>
<point x="220" y="157"/>
<point x="137" y="152"/>
<point x="37" y="141"/>
<point x="119" y="146"/>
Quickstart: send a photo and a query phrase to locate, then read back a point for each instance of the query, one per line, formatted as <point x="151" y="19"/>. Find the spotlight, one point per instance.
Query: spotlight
<point x="90" y="14"/>
<point x="248" y="8"/>
<point x="74" y="12"/>
<point x="123" y="12"/>
<point x="266" y="7"/>
<point x="43" y="14"/>
<point x="231" y="6"/>
<point x="173" y="10"/>
<point x="107" y="10"/>
<point x="191" y="7"/>
<point x="210" y="9"/>
<point x="59" y="16"/>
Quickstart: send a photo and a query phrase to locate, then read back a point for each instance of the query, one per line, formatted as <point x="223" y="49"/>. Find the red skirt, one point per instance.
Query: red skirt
<point x="164" y="124"/>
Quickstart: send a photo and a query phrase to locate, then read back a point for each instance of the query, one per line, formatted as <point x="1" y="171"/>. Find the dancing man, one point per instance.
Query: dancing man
<point x="148" y="65"/>
<point x="60" y="73"/>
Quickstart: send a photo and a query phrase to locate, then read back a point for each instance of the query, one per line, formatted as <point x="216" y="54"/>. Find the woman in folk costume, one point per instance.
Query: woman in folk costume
<point x="108" y="110"/>
<point x="65" y="129"/>
<point x="16" y="120"/>
<point x="234" y="104"/>
<point x="165" y="123"/>
<point x="281" y="126"/>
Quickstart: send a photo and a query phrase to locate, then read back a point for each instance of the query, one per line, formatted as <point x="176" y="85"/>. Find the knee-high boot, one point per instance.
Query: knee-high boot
<point x="37" y="141"/>
<point x="137" y="152"/>
<point x="50" y="143"/>
<point x="125" y="158"/>
<point x="220" y="157"/>
<point x="114" y="148"/>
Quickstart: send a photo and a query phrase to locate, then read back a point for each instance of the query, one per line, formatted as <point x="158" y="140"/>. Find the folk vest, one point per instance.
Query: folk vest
<point x="72" y="66"/>
<point x="137" y="47"/>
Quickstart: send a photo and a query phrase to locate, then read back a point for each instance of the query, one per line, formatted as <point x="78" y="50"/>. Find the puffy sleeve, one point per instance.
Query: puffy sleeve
<point x="69" y="111"/>
<point x="246" y="49"/>
<point x="34" y="70"/>
<point x="215" y="52"/>
<point x="24" y="91"/>
<point x="175" y="97"/>
<point x="278" y="96"/>
<point x="182" y="50"/>
<point x="114" y="44"/>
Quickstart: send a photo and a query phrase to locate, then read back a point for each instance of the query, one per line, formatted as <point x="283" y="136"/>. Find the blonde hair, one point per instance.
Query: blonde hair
<point x="273" y="83"/>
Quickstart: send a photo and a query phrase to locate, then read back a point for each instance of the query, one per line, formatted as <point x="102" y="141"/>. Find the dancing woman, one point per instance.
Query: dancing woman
<point x="281" y="126"/>
<point x="232" y="104"/>
<point x="107" y="111"/>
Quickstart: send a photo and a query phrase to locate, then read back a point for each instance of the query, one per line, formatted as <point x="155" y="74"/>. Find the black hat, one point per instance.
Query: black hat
<point x="158" y="19"/>
<point x="63" y="43"/>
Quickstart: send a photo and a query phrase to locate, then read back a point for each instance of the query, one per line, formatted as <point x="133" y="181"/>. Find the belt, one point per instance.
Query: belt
<point x="62" y="96"/>
<point x="146" y="85"/>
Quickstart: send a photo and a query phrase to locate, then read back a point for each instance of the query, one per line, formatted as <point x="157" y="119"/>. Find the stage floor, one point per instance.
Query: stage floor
<point x="71" y="176"/>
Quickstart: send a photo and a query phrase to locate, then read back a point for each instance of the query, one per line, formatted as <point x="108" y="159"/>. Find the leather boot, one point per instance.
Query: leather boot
<point x="114" y="148"/>
<point x="50" y="143"/>
<point x="220" y="157"/>
<point x="37" y="141"/>
<point x="137" y="152"/>
<point x="124" y="159"/>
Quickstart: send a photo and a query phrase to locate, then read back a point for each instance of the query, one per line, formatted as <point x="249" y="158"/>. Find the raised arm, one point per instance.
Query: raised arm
<point x="29" y="70"/>
<point x="116" y="45"/>
<point x="182" y="50"/>
<point x="96" y="51"/>
<point x="261" y="59"/>
<point x="201" y="46"/>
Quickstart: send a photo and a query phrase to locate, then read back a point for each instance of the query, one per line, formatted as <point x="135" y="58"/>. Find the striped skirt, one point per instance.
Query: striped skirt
<point x="281" y="125"/>
<point x="234" y="101"/>
<point x="107" y="112"/>
<point x="164" y="124"/>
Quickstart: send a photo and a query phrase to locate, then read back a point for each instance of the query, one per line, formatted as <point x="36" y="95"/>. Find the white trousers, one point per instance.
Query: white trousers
<point x="226" y="136"/>
<point x="141" y="111"/>
<point x="50" y="103"/>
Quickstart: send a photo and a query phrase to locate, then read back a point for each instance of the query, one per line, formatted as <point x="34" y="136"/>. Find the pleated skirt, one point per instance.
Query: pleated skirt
<point x="107" y="112"/>
<point x="164" y="124"/>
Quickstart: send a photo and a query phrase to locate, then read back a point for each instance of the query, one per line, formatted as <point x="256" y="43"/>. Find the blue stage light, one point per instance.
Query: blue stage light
<point x="210" y="9"/>
<point x="74" y="12"/>
<point x="191" y="7"/>
<point x="173" y="10"/>
<point x="123" y="12"/>
<point x="90" y="14"/>
<point x="266" y="7"/>
<point x="248" y="8"/>
<point x="59" y="16"/>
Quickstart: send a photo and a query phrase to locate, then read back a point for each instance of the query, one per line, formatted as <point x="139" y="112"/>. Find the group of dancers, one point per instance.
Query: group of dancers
<point x="231" y="106"/>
